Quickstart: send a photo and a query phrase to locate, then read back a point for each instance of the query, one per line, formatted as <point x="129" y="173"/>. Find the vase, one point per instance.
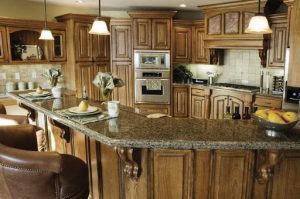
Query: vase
<point x="56" y="91"/>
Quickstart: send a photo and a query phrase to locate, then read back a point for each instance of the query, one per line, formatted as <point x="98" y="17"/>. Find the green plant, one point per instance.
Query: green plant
<point x="106" y="82"/>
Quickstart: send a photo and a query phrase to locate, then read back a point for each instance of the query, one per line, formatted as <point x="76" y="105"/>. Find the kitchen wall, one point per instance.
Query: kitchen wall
<point x="240" y="67"/>
<point x="27" y="73"/>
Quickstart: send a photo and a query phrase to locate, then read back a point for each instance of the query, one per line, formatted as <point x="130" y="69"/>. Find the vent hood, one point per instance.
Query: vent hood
<point x="225" y="26"/>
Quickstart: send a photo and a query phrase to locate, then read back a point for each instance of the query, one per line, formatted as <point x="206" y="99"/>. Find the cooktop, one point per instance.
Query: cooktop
<point x="238" y="86"/>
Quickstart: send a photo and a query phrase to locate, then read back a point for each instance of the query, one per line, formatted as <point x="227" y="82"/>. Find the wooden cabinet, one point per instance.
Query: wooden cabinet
<point x="121" y="40"/>
<point x="188" y="42"/>
<point x="200" y="103"/>
<point x="161" y="34"/>
<point x="232" y="173"/>
<point x="153" y="108"/>
<point x="278" y="43"/>
<point x="101" y="48"/>
<point x="182" y="43"/>
<point x="152" y="29"/>
<point x="152" y="34"/>
<point x="57" y="47"/>
<point x="3" y="45"/>
<point x="142" y="34"/>
<point x="222" y="98"/>
<point x="85" y="73"/>
<point x="83" y="39"/>
<point x="263" y="102"/>
<point x="181" y="101"/>
<point x="125" y="94"/>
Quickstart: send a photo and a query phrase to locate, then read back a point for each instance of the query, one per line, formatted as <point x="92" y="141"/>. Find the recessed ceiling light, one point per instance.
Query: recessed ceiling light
<point x="79" y="1"/>
<point x="182" y="5"/>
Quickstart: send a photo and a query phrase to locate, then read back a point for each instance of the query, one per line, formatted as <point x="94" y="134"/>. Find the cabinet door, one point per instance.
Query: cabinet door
<point x="219" y="104"/>
<point x="182" y="44"/>
<point x="161" y="34"/>
<point x="101" y="48"/>
<point x="121" y="42"/>
<point x="142" y="33"/>
<point x="124" y="94"/>
<point x="278" y="45"/>
<point x="84" y="77"/>
<point x="83" y="45"/>
<point x="3" y="45"/>
<point x="286" y="180"/>
<point x="232" y="172"/>
<point x="98" y="67"/>
<point x="200" y="54"/>
<point x="198" y="107"/>
<point x="181" y="101"/>
<point x="236" y="102"/>
<point x="57" y="47"/>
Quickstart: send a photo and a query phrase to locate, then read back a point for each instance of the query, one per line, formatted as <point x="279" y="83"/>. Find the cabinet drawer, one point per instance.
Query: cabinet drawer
<point x="267" y="102"/>
<point x="198" y="92"/>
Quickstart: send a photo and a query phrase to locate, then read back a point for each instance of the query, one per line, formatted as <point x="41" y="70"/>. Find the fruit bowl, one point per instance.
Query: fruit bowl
<point x="274" y="129"/>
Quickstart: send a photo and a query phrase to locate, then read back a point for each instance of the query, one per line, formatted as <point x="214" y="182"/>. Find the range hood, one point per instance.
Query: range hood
<point x="236" y="43"/>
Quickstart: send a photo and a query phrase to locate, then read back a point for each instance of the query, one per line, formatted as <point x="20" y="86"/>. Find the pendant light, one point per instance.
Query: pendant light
<point x="46" y="33"/>
<point x="258" y="24"/>
<point x="99" y="26"/>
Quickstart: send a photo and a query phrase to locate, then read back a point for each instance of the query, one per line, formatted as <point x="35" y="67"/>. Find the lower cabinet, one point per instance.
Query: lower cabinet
<point x="181" y="101"/>
<point x="153" y="108"/>
<point x="124" y="94"/>
<point x="264" y="102"/>
<point x="200" y="103"/>
<point x="85" y="74"/>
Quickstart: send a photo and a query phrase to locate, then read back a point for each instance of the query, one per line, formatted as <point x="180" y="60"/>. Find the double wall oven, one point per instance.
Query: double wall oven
<point x="152" y="76"/>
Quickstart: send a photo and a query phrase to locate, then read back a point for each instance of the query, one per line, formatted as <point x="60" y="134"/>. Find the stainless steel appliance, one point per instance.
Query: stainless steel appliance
<point x="153" y="59"/>
<point x="152" y="76"/>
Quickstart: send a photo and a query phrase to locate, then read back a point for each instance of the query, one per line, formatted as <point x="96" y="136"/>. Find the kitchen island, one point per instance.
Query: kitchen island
<point x="133" y="156"/>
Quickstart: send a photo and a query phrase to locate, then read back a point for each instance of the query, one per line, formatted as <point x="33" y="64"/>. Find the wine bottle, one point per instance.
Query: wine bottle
<point x="236" y="115"/>
<point x="246" y="115"/>
<point x="227" y="115"/>
<point x="84" y="94"/>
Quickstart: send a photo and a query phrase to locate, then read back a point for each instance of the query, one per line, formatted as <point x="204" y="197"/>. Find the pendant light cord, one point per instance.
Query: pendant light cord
<point x="45" y="7"/>
<point x="99" y="7"/>
<point x="258" y="6"/>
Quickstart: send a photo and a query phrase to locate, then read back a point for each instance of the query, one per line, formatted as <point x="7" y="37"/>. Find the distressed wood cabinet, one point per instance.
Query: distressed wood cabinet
<point x="200" y="103"/>
<point x="181" y="101"/>
<point x="263" y="102"/>
<point x="83" y="42"/>
<point x="152" y="29"/>
<point x="199" y="54"/>
<point x="57" y="47"/>
<point x="121" y="40"/>
<point x="278" y="42"/>
<point x="3" y="45"/>
<point x="125" y="94"/>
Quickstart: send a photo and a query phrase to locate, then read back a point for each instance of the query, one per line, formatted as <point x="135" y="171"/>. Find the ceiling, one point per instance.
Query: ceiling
<point x="135" y="4"/>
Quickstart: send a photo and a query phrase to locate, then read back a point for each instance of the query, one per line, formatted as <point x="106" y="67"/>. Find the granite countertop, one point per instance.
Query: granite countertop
<point x="131" y="129"/>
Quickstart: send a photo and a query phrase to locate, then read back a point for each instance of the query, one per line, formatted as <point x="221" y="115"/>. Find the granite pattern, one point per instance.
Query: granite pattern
<point x="135" y="130"/>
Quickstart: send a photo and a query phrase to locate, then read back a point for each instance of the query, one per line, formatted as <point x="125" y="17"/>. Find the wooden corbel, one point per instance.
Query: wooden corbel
<point x="265" y="171"/>
<point x="31" y="112"/>
<point x="131" y="159"/>
<point x="65" y="131"/>
<point x="263" y="56"/>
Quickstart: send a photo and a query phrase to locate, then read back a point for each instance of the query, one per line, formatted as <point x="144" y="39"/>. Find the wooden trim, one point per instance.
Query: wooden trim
<point x="151" y="14"/>
<point x="79" y="18"/>
<point x="232" y="5"/>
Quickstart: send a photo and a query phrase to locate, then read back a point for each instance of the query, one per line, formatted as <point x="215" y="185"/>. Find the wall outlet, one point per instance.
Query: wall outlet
<point x="2" y="76"/>
<point x="33" y="75"/>
<point x="17" y="76"/>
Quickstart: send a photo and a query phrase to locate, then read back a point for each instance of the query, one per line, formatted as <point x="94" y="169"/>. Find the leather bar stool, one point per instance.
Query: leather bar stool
<point x="6" y="120"/>
<point x="27" y="173"/>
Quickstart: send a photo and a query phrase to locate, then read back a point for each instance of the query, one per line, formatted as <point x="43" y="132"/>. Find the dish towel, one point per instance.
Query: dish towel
<point x="153" y="84"/>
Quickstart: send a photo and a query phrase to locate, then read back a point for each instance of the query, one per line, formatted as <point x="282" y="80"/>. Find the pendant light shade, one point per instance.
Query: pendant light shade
<point x="99" y="26"/>
<point x="46" y="34"/>
<point x="259" y="24"/>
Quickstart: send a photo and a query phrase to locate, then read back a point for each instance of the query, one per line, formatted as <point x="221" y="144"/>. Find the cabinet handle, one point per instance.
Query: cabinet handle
<point x="230" y="99"/>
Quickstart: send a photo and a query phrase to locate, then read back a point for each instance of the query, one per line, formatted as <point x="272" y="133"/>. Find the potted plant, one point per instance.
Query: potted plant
<point x="107" y="82"/>
<point x="52" y="76"/>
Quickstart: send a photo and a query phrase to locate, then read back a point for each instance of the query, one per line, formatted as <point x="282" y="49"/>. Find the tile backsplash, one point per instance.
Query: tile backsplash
<point x="240" y="67"/>
<point x="26" y="73"/>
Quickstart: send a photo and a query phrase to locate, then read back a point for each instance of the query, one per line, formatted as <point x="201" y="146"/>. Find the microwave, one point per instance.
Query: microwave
<point x="152" y="59"/>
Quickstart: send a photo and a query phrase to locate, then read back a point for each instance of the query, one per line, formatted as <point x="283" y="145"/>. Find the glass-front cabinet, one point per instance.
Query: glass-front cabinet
<point x="3" y="45"/>
<point x="57" y="47"/>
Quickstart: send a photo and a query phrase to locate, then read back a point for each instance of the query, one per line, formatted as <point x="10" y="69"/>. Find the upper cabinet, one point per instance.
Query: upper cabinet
<point x="278" y="42"/>
<point x="121" y="40"/>
<point x="188" y="42"/>
<point x="3" y="45"/>
<point x="83" y="42"/>
<point x="225" y="25"/>
<point x="20" y="43"/>
<point x="152" y="29"/>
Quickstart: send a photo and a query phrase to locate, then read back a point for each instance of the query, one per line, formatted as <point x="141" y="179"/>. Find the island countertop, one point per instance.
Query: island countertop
<point x="132" y="129"/>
